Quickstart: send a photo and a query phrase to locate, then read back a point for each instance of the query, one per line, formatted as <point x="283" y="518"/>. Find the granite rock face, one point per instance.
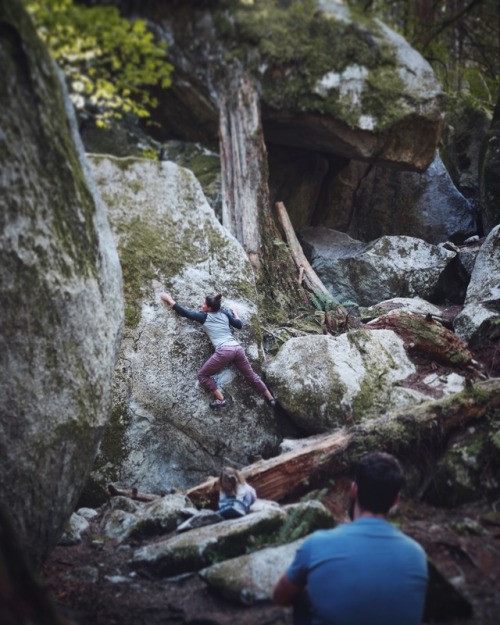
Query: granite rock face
<point x="368" y="273"/>
<point x="163" y="433"/>
<point x="482" y="301"/>
<point x="60" y="286"/>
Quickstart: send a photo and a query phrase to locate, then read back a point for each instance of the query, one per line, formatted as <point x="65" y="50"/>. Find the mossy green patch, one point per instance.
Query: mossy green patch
<point x="292" y="47"/>
<point x="53" y="186"/>
<point x="145" y="254"/>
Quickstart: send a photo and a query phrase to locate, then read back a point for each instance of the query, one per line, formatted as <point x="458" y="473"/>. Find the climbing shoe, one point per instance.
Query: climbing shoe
<point x="218" y="403"/>
<point x="271" y="402"/>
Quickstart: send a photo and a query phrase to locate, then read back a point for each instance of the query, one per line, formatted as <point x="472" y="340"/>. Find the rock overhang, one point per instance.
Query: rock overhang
<point x="340" y="84"/>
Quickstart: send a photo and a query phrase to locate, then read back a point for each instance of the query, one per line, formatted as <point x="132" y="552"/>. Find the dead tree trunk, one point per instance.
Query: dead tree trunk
<point x="243" y="155"/>
<point x="335" y="314"/>
<point x="409" y="434"/>
<point x="246" y="204"/>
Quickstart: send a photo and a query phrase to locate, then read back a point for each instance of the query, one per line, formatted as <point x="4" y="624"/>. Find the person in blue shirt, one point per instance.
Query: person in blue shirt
<point x="217" y="323"/>
<point x="362" y="573"/>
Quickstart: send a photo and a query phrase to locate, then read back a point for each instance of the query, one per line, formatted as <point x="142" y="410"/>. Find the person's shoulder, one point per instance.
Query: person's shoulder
<point x="325" y="534"/>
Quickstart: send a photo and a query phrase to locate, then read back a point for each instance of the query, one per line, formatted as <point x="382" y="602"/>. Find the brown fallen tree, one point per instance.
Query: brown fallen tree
<point x="335" y="315"/>
<point x="410" y="434"/>
<point x="132" y="493"/>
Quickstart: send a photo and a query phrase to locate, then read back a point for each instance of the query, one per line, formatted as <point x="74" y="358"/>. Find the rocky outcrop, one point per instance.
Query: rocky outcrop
<point x="163" y="433"/>
<point x="326" y="382"/>
<point x="471" y="463"/>
<point x="327" y="82"/>
<point x="126" y="519"/>
<point x="60" y="285"/>
<point x="197" y="549"/>
<point x="369" y="201"/>
<point x="483" y="294"/>
<point x="387" y="202"/>
<point x="369" y="273"/>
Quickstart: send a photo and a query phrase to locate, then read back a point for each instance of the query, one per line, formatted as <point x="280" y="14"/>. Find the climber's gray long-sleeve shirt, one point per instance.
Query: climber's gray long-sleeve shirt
<point x="216" y="324"/>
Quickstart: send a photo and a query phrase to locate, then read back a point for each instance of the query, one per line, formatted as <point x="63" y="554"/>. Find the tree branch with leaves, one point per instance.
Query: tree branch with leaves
<point x="110" y="62"/>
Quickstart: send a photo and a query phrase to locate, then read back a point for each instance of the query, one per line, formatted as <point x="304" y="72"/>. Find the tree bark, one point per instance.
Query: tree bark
<point x="243" y="155"/>
<point x="408" y="435"/>
<point x="306" y="272"/>
<point x="246" y="205"/>
<point x="422" y="334"/>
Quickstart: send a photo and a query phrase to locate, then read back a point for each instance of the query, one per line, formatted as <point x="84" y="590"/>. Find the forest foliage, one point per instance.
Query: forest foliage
<point x="110" y="63"/>
<point x="459" y="38"/>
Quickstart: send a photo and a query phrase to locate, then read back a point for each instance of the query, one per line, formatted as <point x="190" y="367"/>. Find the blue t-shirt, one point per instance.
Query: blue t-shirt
<point x="362" y="573"/>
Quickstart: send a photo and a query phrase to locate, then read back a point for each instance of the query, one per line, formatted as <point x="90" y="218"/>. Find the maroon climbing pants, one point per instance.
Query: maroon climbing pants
<point x="234" y="354"/>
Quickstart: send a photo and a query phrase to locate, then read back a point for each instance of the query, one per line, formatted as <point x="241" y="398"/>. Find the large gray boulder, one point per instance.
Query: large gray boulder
<point x="163" y="433"/>
<point x="368" y="273"/>
<point x="327" y="382"/>
<point x="60" y="287"/>
<point x="249" y="579"/>
<point x="368" y="202"/>
<point x="483" y="294"/>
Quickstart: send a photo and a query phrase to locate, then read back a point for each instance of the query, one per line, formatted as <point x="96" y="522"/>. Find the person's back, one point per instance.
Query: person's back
<point x="363" y="572"/>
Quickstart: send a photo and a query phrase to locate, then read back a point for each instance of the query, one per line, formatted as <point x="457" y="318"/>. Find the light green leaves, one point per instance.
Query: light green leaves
<point x="109" y="62"/>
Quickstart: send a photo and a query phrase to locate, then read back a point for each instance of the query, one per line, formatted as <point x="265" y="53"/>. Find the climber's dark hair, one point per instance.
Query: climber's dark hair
<point x="379" y="478"/>
<point x="213" y="301"/>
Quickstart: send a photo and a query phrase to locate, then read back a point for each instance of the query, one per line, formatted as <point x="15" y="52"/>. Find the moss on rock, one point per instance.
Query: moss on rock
<point x="300" y="53"/>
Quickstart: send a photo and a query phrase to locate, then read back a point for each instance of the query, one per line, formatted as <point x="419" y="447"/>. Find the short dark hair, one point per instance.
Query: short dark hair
<point x="379" y="478"/>
<point x="213" y="301"/>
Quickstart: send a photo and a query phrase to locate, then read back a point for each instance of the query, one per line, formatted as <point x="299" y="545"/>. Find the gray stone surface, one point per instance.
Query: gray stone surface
<point x="326" y="382"/>
<point x="363" y="92"/>
<point x="482" y="302"/>
<point x="374" y="201"/>
<point x="60" y="287"/>
<point x="252" y="578"/>
<point x="163" y="433"/>
<point x="367" y="273"/>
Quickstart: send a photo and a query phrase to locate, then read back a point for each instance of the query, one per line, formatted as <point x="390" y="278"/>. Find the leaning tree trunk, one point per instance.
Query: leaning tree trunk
<point x="246" y="204"/>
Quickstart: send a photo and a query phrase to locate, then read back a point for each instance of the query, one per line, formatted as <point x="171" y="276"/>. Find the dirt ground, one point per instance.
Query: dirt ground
<point x="93" y="585"/>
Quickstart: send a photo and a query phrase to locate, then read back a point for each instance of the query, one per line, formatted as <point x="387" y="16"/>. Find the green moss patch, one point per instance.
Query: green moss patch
<point x="291" y="48"/>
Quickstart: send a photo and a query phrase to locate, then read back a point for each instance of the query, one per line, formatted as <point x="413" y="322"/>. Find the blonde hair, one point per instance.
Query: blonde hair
<point x="229" y="479"/>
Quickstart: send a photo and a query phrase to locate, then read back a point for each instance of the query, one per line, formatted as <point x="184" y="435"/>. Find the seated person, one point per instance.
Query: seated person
<point x="235" y="495"/>
<point x="362" y="573"/>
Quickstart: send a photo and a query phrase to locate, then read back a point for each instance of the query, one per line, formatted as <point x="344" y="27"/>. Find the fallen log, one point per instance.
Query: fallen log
<point x="424" y="335"/>
<point x="132" y="493"/>
<point x="306" y="272"/>
<point x="408" y="435"/>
